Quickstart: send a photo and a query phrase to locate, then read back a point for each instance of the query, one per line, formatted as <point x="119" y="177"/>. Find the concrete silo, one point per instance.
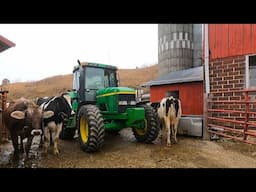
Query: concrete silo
<point x="197" y="42"/>
<point x="176" y="45"/>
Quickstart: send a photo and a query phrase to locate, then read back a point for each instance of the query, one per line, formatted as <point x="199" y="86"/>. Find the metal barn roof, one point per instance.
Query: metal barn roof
<point x="182" y="76"/>
<point x="5" y="44"/>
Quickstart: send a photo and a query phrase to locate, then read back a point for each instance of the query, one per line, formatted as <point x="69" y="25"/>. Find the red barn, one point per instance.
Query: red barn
<point x="187" y="85"/>
<point x="232" y="56"/>
<point x="232" y="69"/>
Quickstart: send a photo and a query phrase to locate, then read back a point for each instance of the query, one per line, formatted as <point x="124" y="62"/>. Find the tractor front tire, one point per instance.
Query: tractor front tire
<point x="151" y="129"/>
<point x="90" y="128"/>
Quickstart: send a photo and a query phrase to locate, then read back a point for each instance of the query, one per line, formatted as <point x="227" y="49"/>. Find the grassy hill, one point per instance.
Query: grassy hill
<point x="58" y="84"/>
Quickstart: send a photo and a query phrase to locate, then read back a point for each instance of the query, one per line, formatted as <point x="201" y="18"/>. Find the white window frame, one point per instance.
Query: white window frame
<point x="247" y="74"/>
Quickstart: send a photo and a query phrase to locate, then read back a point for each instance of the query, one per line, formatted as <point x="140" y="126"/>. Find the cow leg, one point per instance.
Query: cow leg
<point x="28" y="144"/>
<point x="172" y="133"/>
<point x="51" y="141"/>
<point x="46" y="140"/>
<point x="21" y="144"/>
<point x="163" y="131"/>
<point x="15" y="144"/>
<point x="168" y="132"/>
<point x="175" y="132"/>
<point x="41" y="138"/>
<point x="56" y="134"/>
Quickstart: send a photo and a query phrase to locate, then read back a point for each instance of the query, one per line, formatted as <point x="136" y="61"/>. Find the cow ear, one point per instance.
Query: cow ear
<point x="18" y="115"/>
<point x="47" y="114"/>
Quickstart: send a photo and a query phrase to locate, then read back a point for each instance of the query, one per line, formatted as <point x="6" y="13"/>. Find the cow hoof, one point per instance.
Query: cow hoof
<point x="56" y="152"/>
<point x="168" y="144"/>
<point x="175" y="141"/>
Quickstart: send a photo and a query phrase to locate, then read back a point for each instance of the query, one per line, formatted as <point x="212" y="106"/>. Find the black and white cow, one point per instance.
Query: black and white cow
<point x="62" y="109"/>
<point x="169" y="113"/>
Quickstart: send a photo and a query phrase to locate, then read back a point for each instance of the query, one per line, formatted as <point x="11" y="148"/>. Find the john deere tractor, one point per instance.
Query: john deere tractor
<point x="101" y="106"/>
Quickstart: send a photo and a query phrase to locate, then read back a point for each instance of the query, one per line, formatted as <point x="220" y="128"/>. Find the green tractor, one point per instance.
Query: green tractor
<point x="101" y="106"/>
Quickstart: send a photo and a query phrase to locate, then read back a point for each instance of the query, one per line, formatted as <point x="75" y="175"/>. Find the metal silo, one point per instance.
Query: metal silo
<point x="175" y="47"/>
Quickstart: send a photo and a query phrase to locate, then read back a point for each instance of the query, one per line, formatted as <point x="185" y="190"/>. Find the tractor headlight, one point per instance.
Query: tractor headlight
<point x="132" y="102"/>
<point x="122" y="103"/>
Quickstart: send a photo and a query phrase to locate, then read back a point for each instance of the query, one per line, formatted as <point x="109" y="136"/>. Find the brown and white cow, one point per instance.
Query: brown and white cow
<point x="169" y="113"/>
<point x="23" y="119"/>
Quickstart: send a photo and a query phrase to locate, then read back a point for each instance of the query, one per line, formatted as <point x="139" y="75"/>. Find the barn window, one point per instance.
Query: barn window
<point x="175" y="94"/>
<point x="251" y="71"/>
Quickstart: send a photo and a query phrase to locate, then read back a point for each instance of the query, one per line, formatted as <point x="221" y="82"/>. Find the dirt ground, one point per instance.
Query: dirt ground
<point x="123" y="151"/>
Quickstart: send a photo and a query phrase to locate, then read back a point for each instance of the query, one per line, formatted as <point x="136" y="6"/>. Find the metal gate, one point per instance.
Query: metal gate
<point x="3" y="130"/>
<point x="232" y="114"/>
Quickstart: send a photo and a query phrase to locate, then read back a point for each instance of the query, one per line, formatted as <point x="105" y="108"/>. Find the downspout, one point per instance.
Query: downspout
<point x="206" y="134"/>
<point x="206" y="59"/>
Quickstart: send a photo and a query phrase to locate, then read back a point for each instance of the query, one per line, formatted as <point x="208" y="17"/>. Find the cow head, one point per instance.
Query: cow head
<point x="68" y="100"/>
<point x="32" y="116"/>
<point x="172" y="102"/>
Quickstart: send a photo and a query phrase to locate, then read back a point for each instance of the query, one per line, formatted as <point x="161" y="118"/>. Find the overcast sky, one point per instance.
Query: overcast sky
<point x="44" y="50"/>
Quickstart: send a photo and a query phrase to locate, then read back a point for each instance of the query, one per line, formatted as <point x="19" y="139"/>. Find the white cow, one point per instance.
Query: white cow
<point x="169" y="113"/>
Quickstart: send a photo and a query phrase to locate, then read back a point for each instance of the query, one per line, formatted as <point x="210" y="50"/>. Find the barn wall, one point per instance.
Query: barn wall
<point x="226" y="40"/>
<point x="191" y="96"/>
<point x="228" y="74"/>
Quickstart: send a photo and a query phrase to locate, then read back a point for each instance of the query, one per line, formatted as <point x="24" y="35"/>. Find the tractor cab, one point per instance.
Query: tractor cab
<point x="91" y="77"/>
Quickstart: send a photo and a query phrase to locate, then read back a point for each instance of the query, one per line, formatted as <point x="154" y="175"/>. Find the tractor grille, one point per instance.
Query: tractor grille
<point x="128" y="98"/>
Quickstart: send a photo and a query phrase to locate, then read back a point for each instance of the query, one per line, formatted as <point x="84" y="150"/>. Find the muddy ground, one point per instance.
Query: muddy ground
<point x="122" y="151"/>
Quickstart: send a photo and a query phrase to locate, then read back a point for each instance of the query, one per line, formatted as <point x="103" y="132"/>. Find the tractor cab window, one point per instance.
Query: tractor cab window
<point x="99" y="78"/>
<point x="94" y="78"/>
<point x="110" y="78"/>
<point x="76" y="80"/>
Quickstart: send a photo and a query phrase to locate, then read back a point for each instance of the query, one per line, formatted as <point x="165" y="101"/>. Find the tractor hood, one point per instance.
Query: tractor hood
<point x="114" y="91"/>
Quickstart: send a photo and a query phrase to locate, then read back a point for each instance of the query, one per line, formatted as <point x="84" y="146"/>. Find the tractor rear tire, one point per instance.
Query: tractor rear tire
<point x="152" y="128"/>
<point x="90" y="128"/>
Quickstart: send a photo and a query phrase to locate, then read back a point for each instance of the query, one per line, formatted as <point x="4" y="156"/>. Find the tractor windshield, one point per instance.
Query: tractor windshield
<point x="99" y="78"/>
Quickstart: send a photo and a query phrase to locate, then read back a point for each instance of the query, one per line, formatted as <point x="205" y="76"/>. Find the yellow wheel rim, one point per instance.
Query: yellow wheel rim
<point x="84" y="129"/>
<point x="142" y="132"/>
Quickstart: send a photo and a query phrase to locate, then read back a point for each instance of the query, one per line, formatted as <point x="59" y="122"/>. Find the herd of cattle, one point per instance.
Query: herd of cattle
<point x="25" y="119"/>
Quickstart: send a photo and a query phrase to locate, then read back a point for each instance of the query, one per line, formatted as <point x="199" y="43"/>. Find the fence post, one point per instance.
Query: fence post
<point x="3" y="131"/>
